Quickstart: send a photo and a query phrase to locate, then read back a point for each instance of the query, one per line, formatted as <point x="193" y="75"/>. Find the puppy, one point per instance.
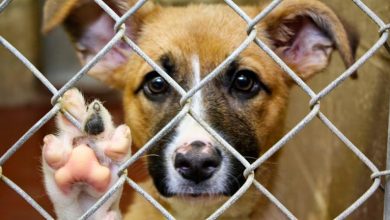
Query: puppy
<point x="190" y="173"/>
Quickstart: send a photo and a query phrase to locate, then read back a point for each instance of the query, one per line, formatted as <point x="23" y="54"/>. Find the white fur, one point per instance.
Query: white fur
<point x="196" y="100"/>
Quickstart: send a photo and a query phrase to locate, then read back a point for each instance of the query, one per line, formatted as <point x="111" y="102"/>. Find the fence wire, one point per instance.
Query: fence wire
<point x="314" y="104"/>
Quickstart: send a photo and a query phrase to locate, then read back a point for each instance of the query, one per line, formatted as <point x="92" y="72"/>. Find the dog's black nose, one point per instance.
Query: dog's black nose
<point x="197" y="161"/>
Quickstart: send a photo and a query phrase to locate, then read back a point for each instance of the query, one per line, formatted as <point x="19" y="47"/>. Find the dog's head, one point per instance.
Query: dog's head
<point x="245" y="104"/>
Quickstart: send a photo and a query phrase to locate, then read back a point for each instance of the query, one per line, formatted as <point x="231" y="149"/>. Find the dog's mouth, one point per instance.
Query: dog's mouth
<point x="207" y="190"/>
<point x="200" y="198"/>
<point x="198" y="195"/>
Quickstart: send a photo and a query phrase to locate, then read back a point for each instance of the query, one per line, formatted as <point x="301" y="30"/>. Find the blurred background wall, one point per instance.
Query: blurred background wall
<point x="320" y="172"/>
<point x="317" y="172"/>
<point x="24" y="100"/>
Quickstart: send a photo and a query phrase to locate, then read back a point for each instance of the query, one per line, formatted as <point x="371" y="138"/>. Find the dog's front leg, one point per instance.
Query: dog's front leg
<point x="80" y="166"/>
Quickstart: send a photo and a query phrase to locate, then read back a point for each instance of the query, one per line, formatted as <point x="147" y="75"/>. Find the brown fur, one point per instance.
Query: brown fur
<point x="212" y="32"/>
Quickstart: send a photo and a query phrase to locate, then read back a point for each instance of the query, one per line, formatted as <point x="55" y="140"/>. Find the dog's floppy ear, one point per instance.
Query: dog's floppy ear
<point x="90" y="29"/>
<point x="304" y="34"/>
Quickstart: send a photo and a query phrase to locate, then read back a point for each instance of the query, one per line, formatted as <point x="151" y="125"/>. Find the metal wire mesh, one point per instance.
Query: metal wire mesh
<point x="186" y="110"/>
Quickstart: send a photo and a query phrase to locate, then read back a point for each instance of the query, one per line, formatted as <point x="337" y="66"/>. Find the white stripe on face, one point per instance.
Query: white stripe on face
<point x="189" y="131"/>
<point x="196" y="100"/>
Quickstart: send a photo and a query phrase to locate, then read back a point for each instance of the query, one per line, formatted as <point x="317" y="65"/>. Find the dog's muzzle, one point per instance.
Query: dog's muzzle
<point x="197" y="161"/>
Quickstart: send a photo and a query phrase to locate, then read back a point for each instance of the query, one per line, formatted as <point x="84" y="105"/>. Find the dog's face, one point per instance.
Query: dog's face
<point x="245" y="104"/>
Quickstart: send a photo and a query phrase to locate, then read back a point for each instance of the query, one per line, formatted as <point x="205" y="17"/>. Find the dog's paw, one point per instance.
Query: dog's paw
<point x="79" y="166"/>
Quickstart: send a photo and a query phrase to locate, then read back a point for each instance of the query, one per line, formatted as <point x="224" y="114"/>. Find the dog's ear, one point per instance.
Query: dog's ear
<point x="304" y="34"/>
<point x="90" y="29"/>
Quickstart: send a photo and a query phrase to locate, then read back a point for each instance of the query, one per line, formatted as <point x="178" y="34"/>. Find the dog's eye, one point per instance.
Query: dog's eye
<point x="245" y="84"/>
<point x="155" y="86"/>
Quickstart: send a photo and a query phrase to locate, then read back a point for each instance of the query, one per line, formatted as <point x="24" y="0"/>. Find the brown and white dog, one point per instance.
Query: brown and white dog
<point x="191" y="174"/>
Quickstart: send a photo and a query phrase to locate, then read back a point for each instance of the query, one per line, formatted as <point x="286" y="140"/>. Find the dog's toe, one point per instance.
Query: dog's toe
<point x="119" y="146"/>
<point x="73" y="102"/>
<point x="55" y="152"/>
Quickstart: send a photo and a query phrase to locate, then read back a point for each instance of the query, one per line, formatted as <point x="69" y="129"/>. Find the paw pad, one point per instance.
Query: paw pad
<point x="83" y="166"/>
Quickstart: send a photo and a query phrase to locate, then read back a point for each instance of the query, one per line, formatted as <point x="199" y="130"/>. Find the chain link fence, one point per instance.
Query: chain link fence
<point x="383" y="30"/>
